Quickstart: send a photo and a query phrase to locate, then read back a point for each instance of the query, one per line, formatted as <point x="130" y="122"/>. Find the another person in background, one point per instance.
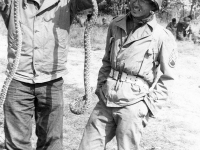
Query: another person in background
<point x="188" y="29"/>
<point x="180" y="30"/>
<point x="104" y="21"/>
<point x="184" y="30"/>
<point x="129" y="87"/>
<point x="36" y="89"/>
<point x="172" y="26"/>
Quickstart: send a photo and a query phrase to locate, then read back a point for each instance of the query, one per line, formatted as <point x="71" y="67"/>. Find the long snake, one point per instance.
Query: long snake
<point x="15" y="64"/>
<point x="80" y="104"/>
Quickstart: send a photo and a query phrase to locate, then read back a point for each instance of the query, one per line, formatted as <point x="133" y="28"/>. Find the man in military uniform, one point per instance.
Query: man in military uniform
<point x="37" y="85"/>
<point x="188" y="29"/>
<point x="104" y="21"/>
<point x="184" y="30"/>
<point x="172" y="26"/>
<point x="129" y="88"/>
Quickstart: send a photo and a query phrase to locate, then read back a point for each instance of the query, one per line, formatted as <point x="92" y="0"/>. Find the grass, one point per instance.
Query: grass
<point x="3" y="30"/>
<point x="98" y="36"/>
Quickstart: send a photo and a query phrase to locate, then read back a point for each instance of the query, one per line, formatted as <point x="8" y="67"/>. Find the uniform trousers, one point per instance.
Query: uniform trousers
<point x="23" y="102"/>
<point x="126" y="123"/>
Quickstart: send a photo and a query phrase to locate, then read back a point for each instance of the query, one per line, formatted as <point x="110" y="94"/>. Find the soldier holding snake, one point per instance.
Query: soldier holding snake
<point x="36" y="88"/>
<point x="133" y="83"/>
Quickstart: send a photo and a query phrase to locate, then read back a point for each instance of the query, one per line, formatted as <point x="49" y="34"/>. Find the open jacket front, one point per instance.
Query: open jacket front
<point x="45" y="31"/>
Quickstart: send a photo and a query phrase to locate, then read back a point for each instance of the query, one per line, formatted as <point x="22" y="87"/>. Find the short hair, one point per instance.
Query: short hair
<point x="89" y="16"/>
<point x="190" y="16"/>
<point x="173" y="19"/>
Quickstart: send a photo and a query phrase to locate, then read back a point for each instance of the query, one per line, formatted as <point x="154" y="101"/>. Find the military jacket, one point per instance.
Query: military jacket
<point x="149" y="53"/>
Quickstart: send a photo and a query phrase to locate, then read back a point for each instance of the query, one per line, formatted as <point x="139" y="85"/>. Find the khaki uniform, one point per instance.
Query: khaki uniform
<point x="37" y="87"/>
<point x="135" y="76"/>
<point x="133" y="55"/>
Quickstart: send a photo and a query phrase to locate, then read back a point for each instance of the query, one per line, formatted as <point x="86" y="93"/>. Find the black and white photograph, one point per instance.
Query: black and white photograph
<point x="99" y="74"/>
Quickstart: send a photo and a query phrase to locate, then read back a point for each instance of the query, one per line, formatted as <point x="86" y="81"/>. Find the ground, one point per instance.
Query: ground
<point x="177" y="126"/>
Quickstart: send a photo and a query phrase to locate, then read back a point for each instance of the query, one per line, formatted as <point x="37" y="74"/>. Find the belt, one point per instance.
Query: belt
<point x="124" y="77"/>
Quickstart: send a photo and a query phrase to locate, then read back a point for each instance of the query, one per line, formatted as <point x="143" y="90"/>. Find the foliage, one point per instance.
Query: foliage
<point x="175" y="8"/>
<point x="114" y="7"/>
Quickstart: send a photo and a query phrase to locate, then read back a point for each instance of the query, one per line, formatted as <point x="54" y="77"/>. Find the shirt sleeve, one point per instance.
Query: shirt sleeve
<point x="5" y="7"/>
<point x="106" y="65"/>
<point x="167" y="65"/>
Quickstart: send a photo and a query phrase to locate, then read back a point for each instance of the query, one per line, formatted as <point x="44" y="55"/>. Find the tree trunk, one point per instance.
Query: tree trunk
<point x="191" y="8"/>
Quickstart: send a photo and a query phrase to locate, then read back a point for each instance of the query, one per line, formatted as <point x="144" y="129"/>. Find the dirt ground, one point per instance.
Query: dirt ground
<point x="177" y="127"/>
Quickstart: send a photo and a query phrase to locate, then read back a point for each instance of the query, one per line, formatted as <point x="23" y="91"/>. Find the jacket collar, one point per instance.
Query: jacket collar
<point x="142" y="32"/>
<point x="121" y="22"/>
<point x="46" y="4"/>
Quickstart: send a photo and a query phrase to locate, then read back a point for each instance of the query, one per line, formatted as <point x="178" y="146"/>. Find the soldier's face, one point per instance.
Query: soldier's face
<point x="140" y="8"/>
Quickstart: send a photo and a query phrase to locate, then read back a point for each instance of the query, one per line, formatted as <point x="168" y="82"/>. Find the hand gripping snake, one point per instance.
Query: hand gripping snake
<point x="15" y="64"/>
<point x="79" y="105"/>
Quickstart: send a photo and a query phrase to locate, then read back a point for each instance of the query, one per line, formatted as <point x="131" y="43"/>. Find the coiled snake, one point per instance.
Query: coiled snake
<point x="79" y="105"/>
<point x="15" y="64"/>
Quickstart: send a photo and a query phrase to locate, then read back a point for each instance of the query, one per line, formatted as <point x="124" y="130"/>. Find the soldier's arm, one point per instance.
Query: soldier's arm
<point x="167" y="59"/>
<point x="5" y="7"/>
<point x="106" y="65"/>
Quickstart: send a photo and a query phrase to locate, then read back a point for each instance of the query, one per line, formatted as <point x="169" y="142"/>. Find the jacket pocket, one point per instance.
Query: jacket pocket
<point x="149" y="64"/>
<point x="152" y="53"/>
<point x="61" y="37"/>
<point x="111" y="45"/>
